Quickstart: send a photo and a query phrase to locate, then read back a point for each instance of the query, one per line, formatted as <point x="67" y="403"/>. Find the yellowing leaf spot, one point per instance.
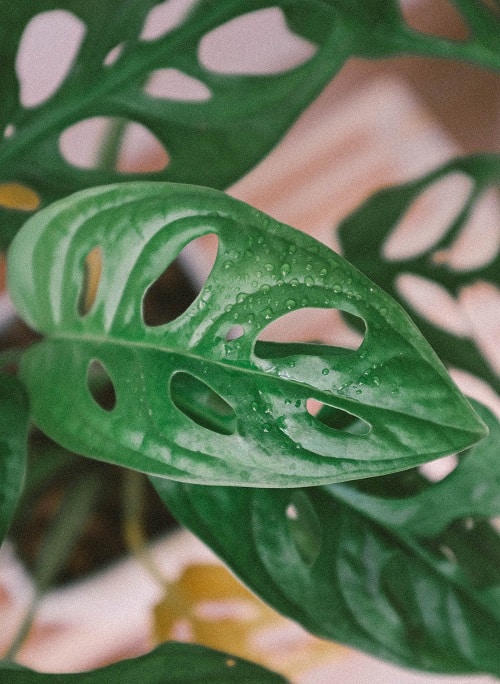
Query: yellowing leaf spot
<point x="17" y="196"/>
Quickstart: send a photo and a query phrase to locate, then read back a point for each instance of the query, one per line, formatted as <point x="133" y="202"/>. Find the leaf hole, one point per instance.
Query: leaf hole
<point x="9" y="131"/>
<point x="172" y="293"/>
<point x="84" y="143"/>
<point x="304" y="526"/>
<point x="92" y="269"/>
<point x="20" y="197"/>
<point x="318" y="327"/>
<point x="165" y="17"/>
<point x="113" y="55"/>
<point x="440" y="19"/>
<point x="270" y="47"/>
<point x="101" y="386"/>
<point x="478" y="242"/>
<point x="434" y="303"/>
<point x="173" y="84"/>
<point x="201" y="404"/>
<point x="337" y="419"/>
<point x="437" y="470"/>
<point x="235" y="332"/>
<point x="47" y="50"/>
<point x="436" y="208"/>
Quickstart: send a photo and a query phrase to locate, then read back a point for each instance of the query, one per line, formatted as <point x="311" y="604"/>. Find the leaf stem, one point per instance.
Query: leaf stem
<point x="73" y="514"/>
<point x="133" y="527"/>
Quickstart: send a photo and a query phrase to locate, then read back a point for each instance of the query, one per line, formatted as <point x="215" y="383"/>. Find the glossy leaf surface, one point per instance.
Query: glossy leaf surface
<point x="364" y="234"/>
<point x="172" y="663"/>
<point x="212" y="139"/>
<point x="190" y="401"/>
<point x="14" y="417"/>
<point x="396" y="566"/>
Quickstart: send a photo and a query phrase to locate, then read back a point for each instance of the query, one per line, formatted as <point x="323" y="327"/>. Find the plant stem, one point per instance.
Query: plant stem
<point x="133" y="528"/>
<point x="110" y="149"/>
<point x="71" y="518"/>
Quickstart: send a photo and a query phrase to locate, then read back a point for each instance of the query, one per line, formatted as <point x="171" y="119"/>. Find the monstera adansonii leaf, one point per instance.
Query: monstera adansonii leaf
<point x="201" y="398"/>
<point x="397" y="566"/>
<point x="366" y="232"/>
<point x="171" y="663"/>
<point x="14" y="418"/>
<point x="152" y="63"/>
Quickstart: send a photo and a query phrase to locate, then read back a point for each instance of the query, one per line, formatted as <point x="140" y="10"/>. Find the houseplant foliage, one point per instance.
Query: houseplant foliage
<point x="202" y="400"/>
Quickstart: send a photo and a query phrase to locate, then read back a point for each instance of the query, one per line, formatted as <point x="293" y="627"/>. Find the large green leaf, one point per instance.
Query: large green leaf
<point x="211" y="141"/>
<point x="415" y="580"/>
<point x="14" y="416"/>
<point x="192" y="400"/>
<point x="171" y="663"/>
<point x="364" y="233"/>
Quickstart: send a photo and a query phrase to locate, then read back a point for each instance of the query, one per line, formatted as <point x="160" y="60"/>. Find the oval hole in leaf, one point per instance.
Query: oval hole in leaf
<point x="172" y="293"/>
<point x="47" y="49"/>
<point x="443" y="21"/>
<point x="337" y="419"/>
<point x="100" y="385"/>
<point x="201" y="404"/>
<point x="478" y="242"/>
<point x="9" y="131"/>
<point x="17" y="196"/>
<point x="270" y="47"/>
<point x="304" y="526"/>
<point x="235" y="332"/>
<point x="165" y="17"/>
<point x="139" y="150"/>
<point x="91" y="278"/>
<point x="172" y="84"/>
<point x="437" y="470"/>
<point x="436" y="208"/>
<point x="320" y="326"/>
<point x="434" y="303"/>
<point x="113" y="55"/>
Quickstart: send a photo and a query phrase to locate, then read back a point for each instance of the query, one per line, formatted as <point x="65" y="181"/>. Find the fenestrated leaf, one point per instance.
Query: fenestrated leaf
<point x="211" y="141"/>
<point x="364" y="233"/>
<point x="406" y="579"/>
<point x="192" y="403"/>
<point x="14" y="417"/>
<point x="171" y="663"/>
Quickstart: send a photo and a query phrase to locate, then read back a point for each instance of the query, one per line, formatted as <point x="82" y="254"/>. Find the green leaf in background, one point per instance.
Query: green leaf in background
<point x="14" y="418"/>
<point x="171" y="663"/>
<point x="202" y="399"/>
<point x="214" y="118"/>
<point x="409" y="574"/>
<point x="212" y="136"/>
<point x="366" y="232"/>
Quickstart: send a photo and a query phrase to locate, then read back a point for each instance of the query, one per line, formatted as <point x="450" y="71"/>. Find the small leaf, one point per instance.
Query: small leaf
<point x="172" y="663"/>
<point x="14" y="417"/>
<point x="365" y="233"/>
<point x="192" y="401"/>
<point x="399" y="574"/>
